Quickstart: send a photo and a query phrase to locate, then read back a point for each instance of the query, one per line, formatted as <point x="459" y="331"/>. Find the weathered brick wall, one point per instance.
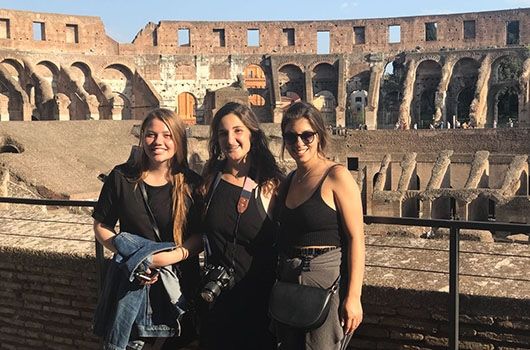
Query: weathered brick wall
<point x="46" y="300"/>
<point x="410" y="319"/>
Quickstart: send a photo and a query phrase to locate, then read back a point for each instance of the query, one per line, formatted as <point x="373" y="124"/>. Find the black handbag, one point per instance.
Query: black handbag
<point x="299" y="306"/>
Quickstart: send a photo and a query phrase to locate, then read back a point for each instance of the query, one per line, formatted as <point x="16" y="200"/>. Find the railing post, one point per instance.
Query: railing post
<point x="100" y="262"/>
<point x="454" y="245"/>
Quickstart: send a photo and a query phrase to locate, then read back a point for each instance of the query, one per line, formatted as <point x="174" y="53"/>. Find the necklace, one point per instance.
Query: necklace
<point x="300" y="179"/>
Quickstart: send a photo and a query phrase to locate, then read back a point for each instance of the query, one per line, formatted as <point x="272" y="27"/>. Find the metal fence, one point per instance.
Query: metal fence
<point x="454" y="227"/>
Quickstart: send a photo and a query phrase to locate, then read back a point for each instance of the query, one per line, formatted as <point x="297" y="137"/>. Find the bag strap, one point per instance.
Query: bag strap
<point x="149" y="211"/>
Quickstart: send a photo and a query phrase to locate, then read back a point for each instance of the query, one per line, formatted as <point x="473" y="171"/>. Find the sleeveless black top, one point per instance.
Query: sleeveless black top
<point x="312" y="223"/>
<point x="254" y="246"/>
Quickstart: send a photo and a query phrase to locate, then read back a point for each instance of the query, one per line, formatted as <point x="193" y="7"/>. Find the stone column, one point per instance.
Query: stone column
<point x="277" y="112"/>
<point x="370" y="113"/>
<point x="93" y="107"/>
<point x="4" y="110"/>
<point x="308" y="86"/>
<point x="4" y="180"/>
<point x="524" y="97"/>
<point x="441" y="92"/>
<point x="340" y="110"/>
<point x="408" y="90"/>
<point x="479" y="106"/>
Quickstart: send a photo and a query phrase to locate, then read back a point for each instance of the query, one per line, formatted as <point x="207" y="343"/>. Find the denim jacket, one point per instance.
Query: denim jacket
<point x="124" y="306"/>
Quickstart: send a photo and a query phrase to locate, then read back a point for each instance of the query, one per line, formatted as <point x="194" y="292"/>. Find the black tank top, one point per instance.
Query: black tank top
<point x="254" y="256"/>
<point x="312" y="223"/>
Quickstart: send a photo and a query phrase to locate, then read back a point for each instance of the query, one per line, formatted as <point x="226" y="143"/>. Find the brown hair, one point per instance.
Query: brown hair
<point x="306" y="110"/>
<point x="264" y="168"/>
<point x="178" y="165"/>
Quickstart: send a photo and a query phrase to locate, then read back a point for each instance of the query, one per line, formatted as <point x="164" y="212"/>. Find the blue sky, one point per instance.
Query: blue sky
<point x="123" y="19"/>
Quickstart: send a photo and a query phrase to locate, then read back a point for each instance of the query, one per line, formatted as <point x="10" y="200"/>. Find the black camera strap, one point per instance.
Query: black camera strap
<point x="241" y="207"/>
<point x="149" y="211"/>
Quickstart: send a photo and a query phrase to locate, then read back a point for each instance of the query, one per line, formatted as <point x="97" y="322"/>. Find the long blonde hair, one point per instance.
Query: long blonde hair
<point x="178" y="166"/>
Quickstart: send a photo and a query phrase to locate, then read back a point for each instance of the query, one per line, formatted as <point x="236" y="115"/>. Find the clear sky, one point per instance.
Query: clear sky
<point x="124" y="18"/>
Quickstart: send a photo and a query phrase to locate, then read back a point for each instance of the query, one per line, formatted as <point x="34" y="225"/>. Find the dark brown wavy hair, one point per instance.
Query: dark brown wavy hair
<point x="263" y="168"/>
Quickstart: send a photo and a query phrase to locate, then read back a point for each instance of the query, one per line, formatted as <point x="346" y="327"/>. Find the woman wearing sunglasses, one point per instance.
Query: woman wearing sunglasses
<point x="321" y="231"/>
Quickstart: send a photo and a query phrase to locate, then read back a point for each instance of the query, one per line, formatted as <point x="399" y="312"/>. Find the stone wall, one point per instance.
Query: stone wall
<point x="413" y="319"/>
<point x="51" y="305"/>
<point x="47" y="300"/>
<point x="65" y="67"/>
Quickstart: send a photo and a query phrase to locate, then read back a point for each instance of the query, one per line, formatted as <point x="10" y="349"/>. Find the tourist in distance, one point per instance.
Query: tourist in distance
<point x="153" y="196"/>
<point x="321" y="231"/>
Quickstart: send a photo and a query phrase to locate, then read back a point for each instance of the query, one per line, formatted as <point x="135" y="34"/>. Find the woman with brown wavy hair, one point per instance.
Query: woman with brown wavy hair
<point x="241" y="243"/>
<point x="161" y="168"/>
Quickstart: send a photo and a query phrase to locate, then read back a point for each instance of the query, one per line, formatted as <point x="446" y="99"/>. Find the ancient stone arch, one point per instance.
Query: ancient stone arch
<point x="324" y="77"/>
<point x="12" y="88"/>
<point x="505" y="98"/>
<point x="326" y="103"/>
<point x="461" y="90"/>
<point x="14" y="67"/>
<point x="119" y="79"/>
<point x="356" y="108"/>
<point x="391" y="93"/>
<point x="121" y="107"/>
<point x="255" y="81"/>
<point x="428" y="76"/>
<point x="291" y="78"/>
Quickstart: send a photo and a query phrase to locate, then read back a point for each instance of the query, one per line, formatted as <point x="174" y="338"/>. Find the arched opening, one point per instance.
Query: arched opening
<point x="426" y="109"/>
<point x="391" y="93"/>
<point x="187" y="108"/>
<point x="256" y="84"/>
<point x="325" y="102"/>
<point x="442" y="208"/>
<point x="357" y="102"/>
<point x="10" y="103"/>
<point x="428" y="76"/>
<point x="504" y="91"/>
<point x="118" y="78"/>
<point x="507" y="103"/>
<point x="461" y="90"/>
<point x="325" y="78"/>
<point x="464" y="99"/>
<point x="356" y="86"/>
<point x="291" y="79"/>
<point x="254" y="77"/>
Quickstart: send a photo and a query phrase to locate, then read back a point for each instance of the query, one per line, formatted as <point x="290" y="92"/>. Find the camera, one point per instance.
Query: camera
<point x="214" y="280"/>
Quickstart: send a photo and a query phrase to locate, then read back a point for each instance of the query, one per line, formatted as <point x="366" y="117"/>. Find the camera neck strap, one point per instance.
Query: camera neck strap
<point x="241" y="207"/>
<point x="149" y="211"/>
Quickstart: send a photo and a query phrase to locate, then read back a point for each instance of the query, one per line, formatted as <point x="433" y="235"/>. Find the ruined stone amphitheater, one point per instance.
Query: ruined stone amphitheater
<point x="445" y="100"/>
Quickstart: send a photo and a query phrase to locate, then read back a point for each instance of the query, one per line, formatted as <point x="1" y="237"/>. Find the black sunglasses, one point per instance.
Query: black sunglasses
<point x="307" y="137"/>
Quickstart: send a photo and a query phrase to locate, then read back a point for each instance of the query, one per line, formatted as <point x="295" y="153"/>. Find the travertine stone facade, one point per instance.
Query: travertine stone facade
<point x="469" y="68"/>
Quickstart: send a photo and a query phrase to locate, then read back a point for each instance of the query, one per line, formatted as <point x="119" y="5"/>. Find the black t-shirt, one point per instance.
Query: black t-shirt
<point x="121" y="200"/>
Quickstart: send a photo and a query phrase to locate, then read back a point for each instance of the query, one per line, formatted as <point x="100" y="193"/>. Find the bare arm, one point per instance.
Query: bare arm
<point x="191" y="246"/>
<point x="347" y="197"/>
<point x="104" y="235"/>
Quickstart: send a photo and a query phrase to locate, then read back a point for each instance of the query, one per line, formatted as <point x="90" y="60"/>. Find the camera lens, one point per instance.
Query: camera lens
<point x="210" y="291"/>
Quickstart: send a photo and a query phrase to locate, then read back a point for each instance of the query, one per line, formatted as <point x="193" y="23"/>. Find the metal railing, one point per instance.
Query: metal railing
<point x="454" y="227"/>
